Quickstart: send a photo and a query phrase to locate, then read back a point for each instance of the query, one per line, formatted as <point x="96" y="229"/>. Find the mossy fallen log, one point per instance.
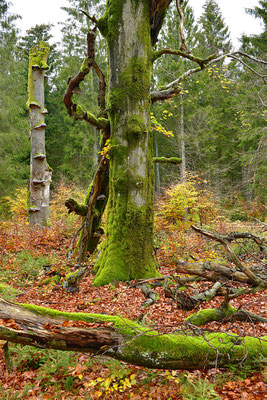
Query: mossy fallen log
<point x="202" y="317"/>
<point x="124" y="339"/>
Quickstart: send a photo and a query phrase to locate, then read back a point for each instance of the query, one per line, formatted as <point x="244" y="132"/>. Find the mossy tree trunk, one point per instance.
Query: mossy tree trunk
<point x="124" y="339"/>
<point x="127" y="251"/>
<point x="40" y="171"/>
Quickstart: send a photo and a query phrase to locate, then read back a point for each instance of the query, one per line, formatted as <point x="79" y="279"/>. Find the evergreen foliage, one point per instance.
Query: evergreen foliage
<point x="14" y="145"/>
<point x="223" y="107"/>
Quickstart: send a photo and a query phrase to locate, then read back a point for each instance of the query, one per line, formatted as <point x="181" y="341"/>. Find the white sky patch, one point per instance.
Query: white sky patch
<point x="235" y="17"/>
<point x="48" y="11"/>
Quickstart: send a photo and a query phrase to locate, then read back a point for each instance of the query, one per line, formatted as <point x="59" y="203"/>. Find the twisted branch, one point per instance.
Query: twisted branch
<point x="173" y="88"/>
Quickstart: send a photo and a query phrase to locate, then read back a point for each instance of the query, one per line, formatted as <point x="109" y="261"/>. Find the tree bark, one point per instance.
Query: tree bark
<point x="211" y="271"/>
<point x="124" y="339"/>
<point x="127" y="251"/>
<point x="40" y="171"/>
<point x="157" y="171"/>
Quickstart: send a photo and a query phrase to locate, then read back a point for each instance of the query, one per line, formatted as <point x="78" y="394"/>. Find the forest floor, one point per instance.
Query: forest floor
<point x="34" y="263"/>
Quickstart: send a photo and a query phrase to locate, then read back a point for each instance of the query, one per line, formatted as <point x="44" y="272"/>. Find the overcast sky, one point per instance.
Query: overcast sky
<point x="48" y="11"/>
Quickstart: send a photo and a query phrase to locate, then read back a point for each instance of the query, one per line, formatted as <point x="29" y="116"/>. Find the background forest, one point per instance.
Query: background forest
<point x="216" y="125"/>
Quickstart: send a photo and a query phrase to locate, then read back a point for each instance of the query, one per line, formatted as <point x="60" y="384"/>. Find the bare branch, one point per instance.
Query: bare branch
<point x="102" y="88"/>
<point x="93" y="18"/>
<point x="226" y="243"/>
<point x="257" y="60"/>
<point x="248" y="67"/>
<point x="158" y="95"/>
<point x="190" y="57"/>
<point x="181" y="25"/>
<point x="172" y="88"/>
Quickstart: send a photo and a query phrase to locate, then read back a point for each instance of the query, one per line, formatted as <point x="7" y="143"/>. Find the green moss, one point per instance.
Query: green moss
<point x="142" y="346"/>
<point x="202" y="317"/>
<point x="110" y="22"/>
<point x="102" y="24"/>
<point x="85" y="68"/>
<point x="72" y="276"/>
<point x="132" y="257"/>
<point x="127" y="251"/>
<point x="170" y="160"/>
<point x="7" y="334"/>
<point x="51" y="280"/>
<point x="122" y="325"/>
<point x="38" y="57"/>
<point x="134" y="84"/>
<point x="185" y="351"/>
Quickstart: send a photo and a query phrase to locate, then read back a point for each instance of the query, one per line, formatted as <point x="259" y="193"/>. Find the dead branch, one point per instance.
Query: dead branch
<point x="226" y="243"/>
<point x="92" y="19"/>
<point x="151" y="295"/>
<point x="211" y="271"/>
<point x="179" y="279"/>
<point x="92" y="214"/>
<point x="73" y="84"/>
<point x="159" y="95"/>
<point x="172" y="88"/>
<point x="181" y="25"/>
<point x="99" y="187"/>
<point x="73" y="206"/>
<point x="201" y="62"/>
<point x="247" y="235"/>
<point x="157" y="8"/>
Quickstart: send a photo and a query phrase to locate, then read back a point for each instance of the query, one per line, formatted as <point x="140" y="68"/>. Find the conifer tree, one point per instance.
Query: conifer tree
<point x="214" y="36"/>
<point x="14" y="144"/>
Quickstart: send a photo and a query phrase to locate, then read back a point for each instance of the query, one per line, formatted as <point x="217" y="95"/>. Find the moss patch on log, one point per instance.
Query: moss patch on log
<point x="140" y="345"/>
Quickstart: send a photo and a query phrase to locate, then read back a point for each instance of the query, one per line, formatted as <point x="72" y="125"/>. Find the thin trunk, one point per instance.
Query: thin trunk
<point x="40" y="171"/>
<point x="157" y="173"/>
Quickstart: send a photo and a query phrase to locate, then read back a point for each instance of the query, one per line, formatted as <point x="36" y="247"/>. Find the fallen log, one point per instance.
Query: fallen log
<point x="226" y="242"/>
<point x="211" y="271"/>
<point x="187" y="302"/>
<point x="225" y="311"/>
<point x="123" y="339"/>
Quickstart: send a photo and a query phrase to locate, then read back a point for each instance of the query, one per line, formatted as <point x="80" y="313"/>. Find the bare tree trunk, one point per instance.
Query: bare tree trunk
<point x="40" y="171"/>
<point x="157" y="174"/>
